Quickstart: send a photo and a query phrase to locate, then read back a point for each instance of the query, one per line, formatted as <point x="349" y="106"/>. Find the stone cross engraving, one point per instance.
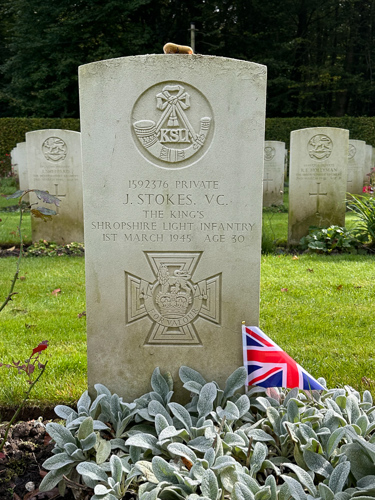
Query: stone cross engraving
<point x="266" y="180"/>
<point x="317" y="194"/>
<point x="58" y="195"/>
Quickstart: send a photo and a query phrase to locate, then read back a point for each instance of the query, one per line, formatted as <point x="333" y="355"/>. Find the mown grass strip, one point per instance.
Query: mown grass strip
<point x="323" y="319"/>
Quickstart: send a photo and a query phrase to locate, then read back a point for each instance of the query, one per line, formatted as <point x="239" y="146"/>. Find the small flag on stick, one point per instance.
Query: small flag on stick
<point x="269" y="366"/>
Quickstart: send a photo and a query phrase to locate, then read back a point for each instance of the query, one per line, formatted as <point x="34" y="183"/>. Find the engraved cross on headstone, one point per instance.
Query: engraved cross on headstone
<point x="317" y="194"/>
<point x="56" y="193"/>
<point x="266" y="180"/>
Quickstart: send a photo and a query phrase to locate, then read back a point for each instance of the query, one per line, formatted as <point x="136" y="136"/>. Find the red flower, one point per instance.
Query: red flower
<point x="43" y="345"/>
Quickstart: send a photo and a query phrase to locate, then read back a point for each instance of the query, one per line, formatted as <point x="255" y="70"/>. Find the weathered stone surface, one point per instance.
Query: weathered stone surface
<point x="14" y="161"/>
<point x="23" y="175"/>
<point x="368" y="164"/>
<point x="173" y="159"/>
<point x="317" y="179"/>
<point x="54" y="165"/>
<point x="273" y="178"/>
<point x="356" y="160"/>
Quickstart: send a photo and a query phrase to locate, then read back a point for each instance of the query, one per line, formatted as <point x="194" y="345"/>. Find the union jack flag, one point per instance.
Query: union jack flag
<point x="269" y="366"/>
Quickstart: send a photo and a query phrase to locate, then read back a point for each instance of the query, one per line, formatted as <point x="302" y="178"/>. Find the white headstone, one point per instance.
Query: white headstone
<point x="54" y="165"/>
<point x="286" y="164"/>
<point x="14" y="161"/>
<point x="368" y="164"/>
<point x="356" y="160"/>
<point x="317" y="179"/>
<point x="173" y="163"/>
<point x="21" y="156"/>
<point x="273" y="177"/>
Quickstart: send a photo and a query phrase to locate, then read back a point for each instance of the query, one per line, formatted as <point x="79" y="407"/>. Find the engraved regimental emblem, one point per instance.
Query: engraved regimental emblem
<point x="320" y="147"/>
<point x="352" y="151"/>
<point x="269" y="153"/>
<point x="178" y="133"/>
<point x="173" y="301"/>
<point x="54" y="149"/>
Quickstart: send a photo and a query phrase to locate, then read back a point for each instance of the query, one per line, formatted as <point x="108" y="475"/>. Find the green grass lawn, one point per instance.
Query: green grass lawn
<point x="318" y="308"/>
<point x="36" y="314"/>
<point x="324" y="320"/>
<point x="9" y="222"/>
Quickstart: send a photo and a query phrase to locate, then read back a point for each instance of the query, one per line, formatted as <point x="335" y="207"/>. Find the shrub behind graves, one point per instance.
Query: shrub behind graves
<point x="364" y="209"/>
<point x="277" y="445"/>
<point x="326" y="240"/>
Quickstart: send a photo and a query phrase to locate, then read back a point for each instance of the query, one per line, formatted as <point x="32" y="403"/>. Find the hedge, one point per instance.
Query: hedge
<point x="13" y="130"/>
<point x="361" y="128"/>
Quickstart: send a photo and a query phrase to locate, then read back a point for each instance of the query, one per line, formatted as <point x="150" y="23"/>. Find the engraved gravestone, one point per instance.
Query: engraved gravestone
<point x="367" y="165"/>
<point x="273" y="177"/>
<point x="172" y="190"/>
<point x="286" y="164"/>
<point x="14" y="161"/>
<point x="356" y="160"/>
<point x="317" y="179"/>
<point x="55" y="165"/>
<point x="21" y="157"/>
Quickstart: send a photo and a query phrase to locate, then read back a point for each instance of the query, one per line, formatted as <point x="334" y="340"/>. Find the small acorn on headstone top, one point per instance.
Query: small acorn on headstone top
<point x="172" y="48"/>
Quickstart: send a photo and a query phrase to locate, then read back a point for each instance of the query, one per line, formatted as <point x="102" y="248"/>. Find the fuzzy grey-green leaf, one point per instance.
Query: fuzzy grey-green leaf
<point x="57" y="461"/>
<point x="206" y="398"/>
<point x="182" y="450"/>
<point x="54" y="477"/>
<point x="241" y="492"/>
<point x="209" y="486"/>
<point x="159" y="384"/>
<point x="60" y="434"/>
<point x="303" y="477"/>
<point x="235" y="381"/>
<point x="92" y="470"/>
<point x="339" y="476"/>
<point x="181" y="414"/>
<point x="188" y="374"/>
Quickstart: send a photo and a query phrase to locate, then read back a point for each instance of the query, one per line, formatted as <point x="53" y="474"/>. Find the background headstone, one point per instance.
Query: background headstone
<point x="23" y="175"/>
<point x="273" y="177"/>
<point x="317" y="179"/>
<point x="286" y="164"/>
<point x="368" y="164"/>
<point x="54" y="165"/>
<point x="356" y="160"/>
<point x="173" y="208"/>
<point x="14" y="161"/>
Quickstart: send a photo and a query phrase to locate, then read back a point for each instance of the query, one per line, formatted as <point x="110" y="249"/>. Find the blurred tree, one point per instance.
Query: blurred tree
<point x="319" y="53"/>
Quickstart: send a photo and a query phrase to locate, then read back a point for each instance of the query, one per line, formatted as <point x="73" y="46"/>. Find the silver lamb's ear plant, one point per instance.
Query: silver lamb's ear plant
<point x="273" y="445"/>
<point x="69" y="451"/>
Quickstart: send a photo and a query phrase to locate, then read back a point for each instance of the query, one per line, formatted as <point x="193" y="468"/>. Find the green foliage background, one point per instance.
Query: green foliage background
<point x="360" y="127"/>
<point x="320" y="56"/>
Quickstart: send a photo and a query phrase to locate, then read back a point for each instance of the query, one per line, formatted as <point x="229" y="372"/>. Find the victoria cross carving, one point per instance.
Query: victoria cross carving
<point x="54" y="149"/>
<point x="173" y="301"/>
<point x="178" y="132"/>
